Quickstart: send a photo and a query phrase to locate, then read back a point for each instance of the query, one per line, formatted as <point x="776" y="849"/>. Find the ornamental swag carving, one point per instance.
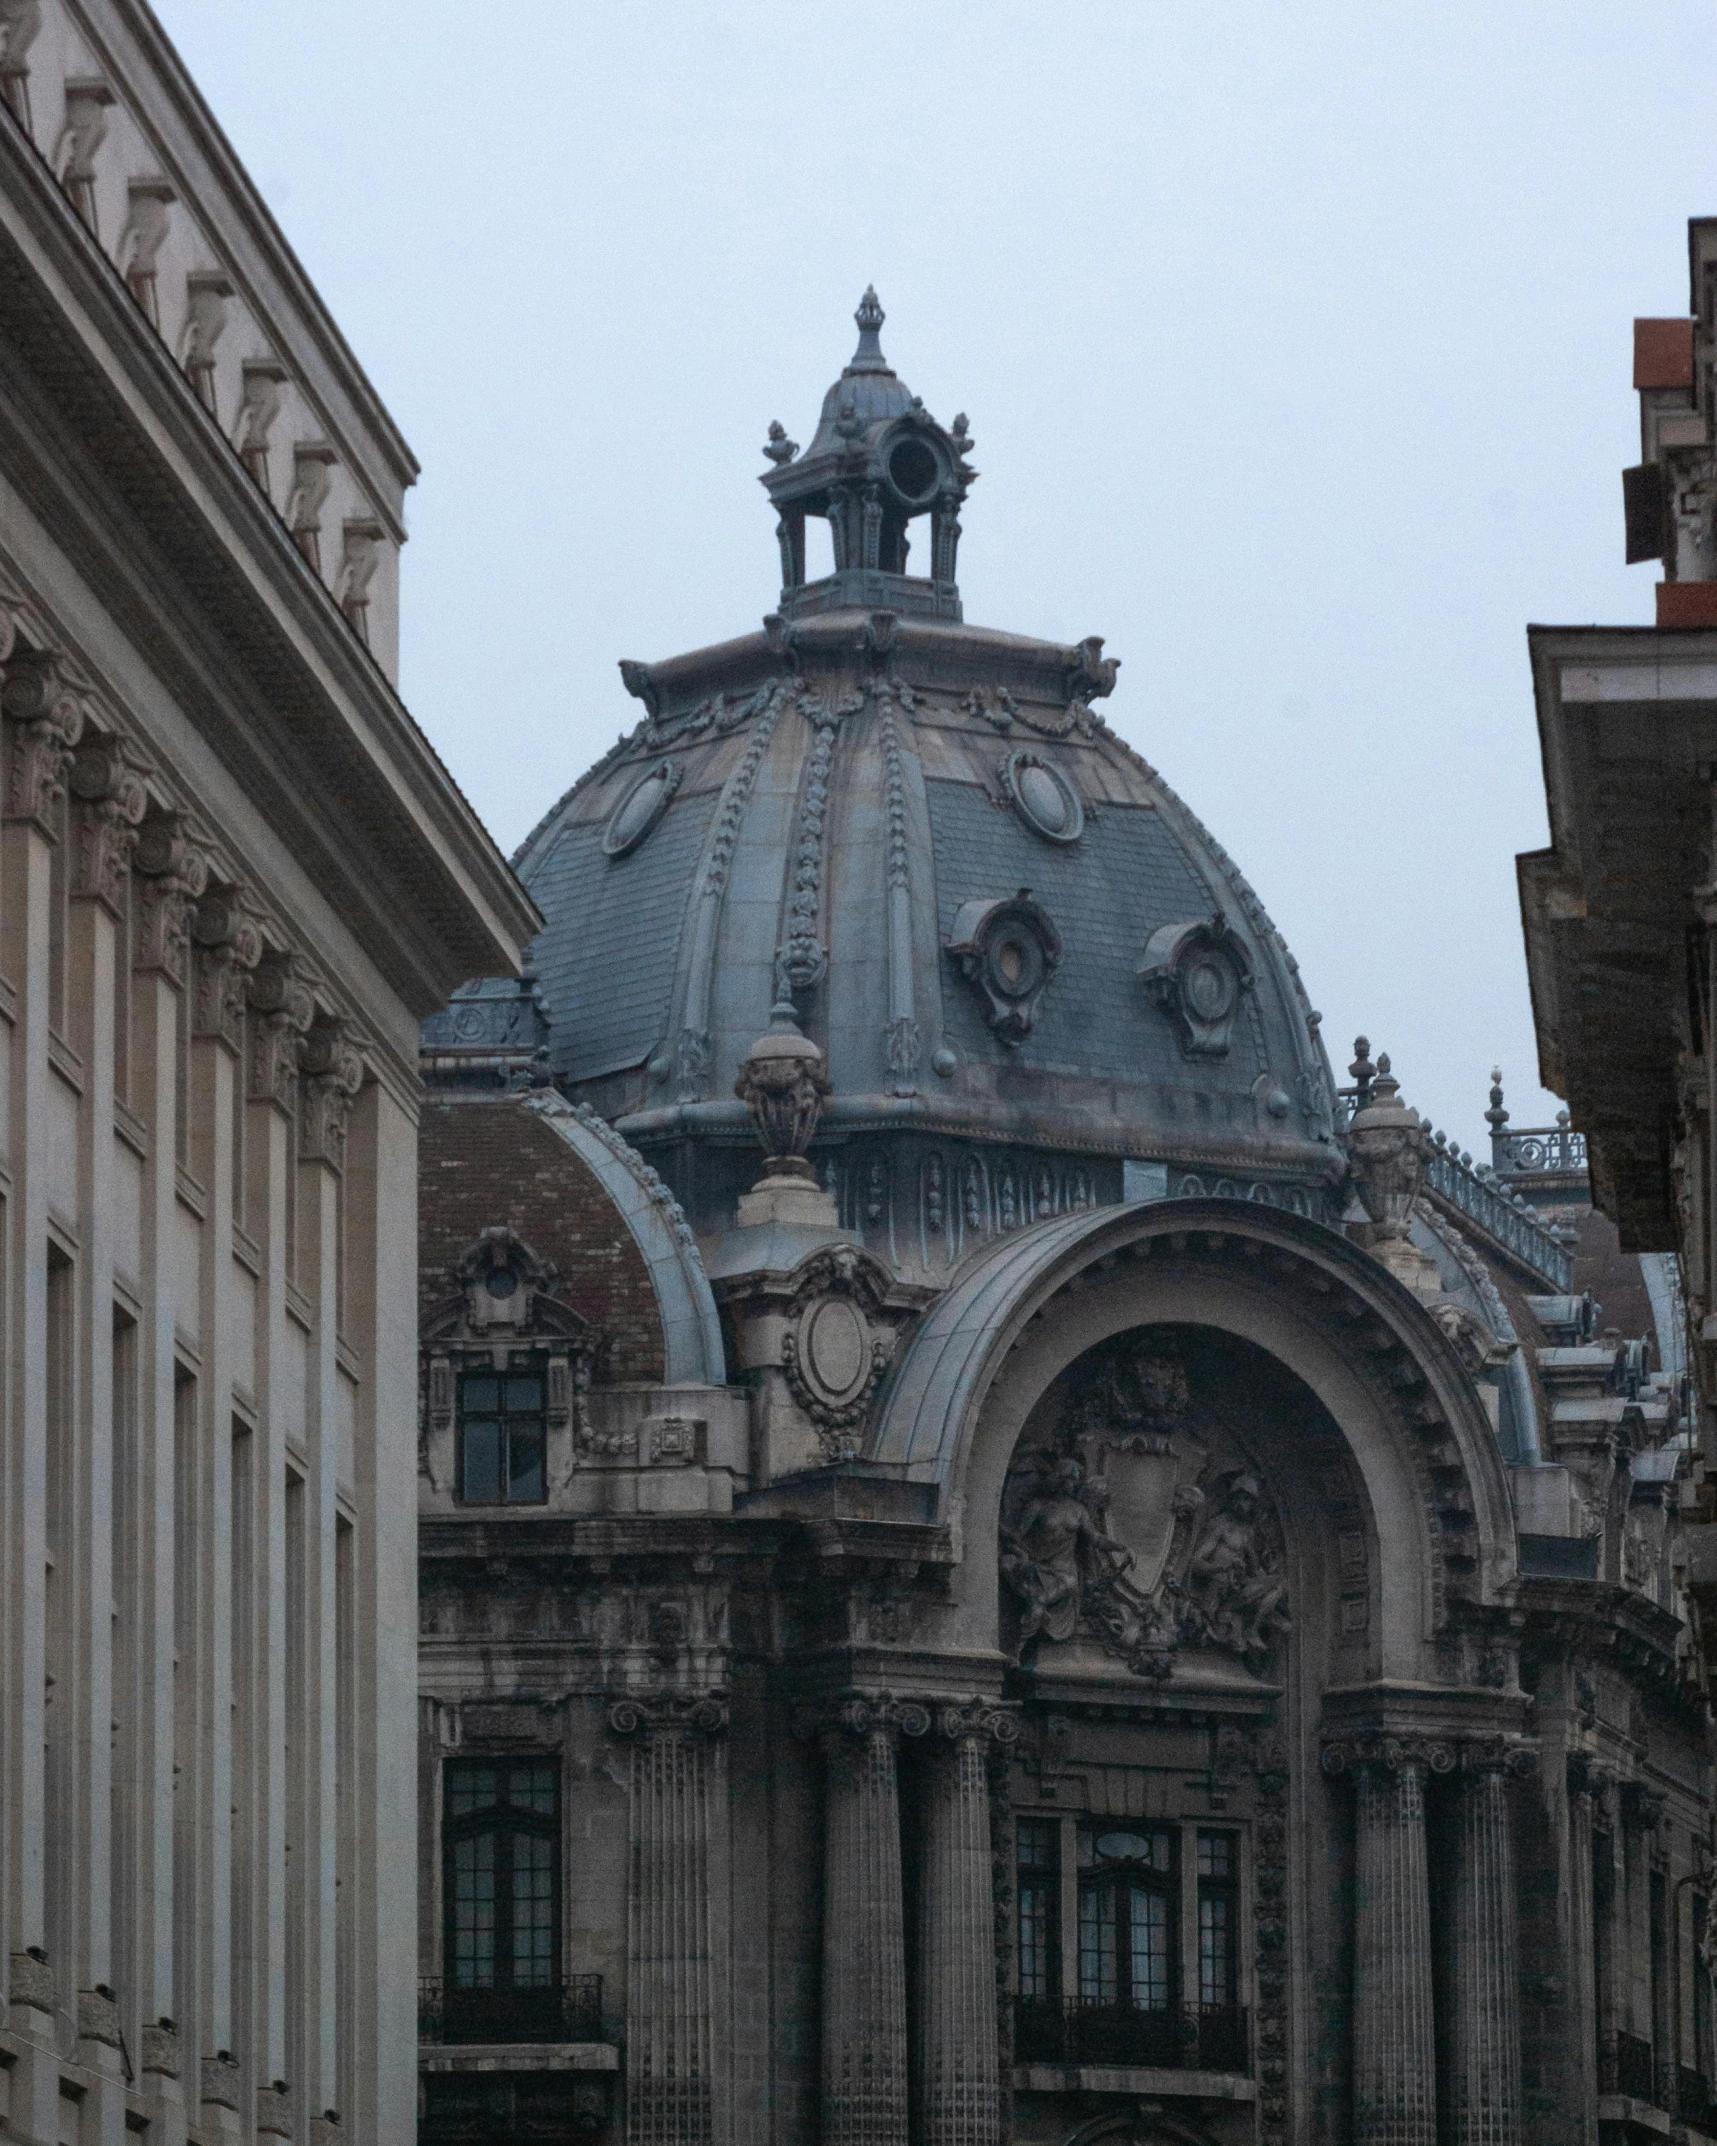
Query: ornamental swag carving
<point x="1136" y="1523"/>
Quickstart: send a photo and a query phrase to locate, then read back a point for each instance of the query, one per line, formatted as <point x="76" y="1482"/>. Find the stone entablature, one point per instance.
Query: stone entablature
<point x="102" y="100"/>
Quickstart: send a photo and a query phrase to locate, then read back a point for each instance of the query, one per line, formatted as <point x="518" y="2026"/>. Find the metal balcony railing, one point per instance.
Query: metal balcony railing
<point x="1693" y="2097"/>
<point x="1625" y="2066"/>
<point x="1083" y="2031"/>
<point x="569" y="2011"/>
<point x="1501" y="1214"/>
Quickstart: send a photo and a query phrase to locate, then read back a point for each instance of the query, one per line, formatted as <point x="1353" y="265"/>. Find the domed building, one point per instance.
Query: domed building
<point x="1000" y="1559"/>
<point x="1027" y="964"/>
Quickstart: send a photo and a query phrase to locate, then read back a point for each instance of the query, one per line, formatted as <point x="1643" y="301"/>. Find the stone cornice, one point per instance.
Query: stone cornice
<point x="325" y="749"/>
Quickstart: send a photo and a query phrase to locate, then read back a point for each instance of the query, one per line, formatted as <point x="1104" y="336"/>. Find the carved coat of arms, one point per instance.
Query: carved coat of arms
<point x="1132" y="1522"/>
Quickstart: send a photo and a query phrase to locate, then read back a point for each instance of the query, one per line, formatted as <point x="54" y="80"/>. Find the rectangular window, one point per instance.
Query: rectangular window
<point x="502" y="1837"/>
<point x="501" y="1437"/>
<point x="1039" y="1897"/>
<point x="59" y="1874"/>
<point x="1218" y="1921"/>
<point x="122" y="1551"/>
<point x="1128" y="1927"/>
<point x="1702" y="2022"/>
<point x="59" y="921"/>
<point x="122" y="993"/>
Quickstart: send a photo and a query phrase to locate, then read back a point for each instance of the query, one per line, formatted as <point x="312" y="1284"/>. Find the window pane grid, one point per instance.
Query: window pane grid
<point x="501" y="1433"/>
<point x="503" y="1857"/>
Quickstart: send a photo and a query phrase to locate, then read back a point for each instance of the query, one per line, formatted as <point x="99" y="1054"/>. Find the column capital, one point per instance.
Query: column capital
<point x="860" y="1714"/>
<point x="678" y="1714"/>
<point x="1482" y="1755"/>
<point x="282" y="1000"/>
<point x="1387" y="1753"/>
<point x="46" y="721"/>
<point x="172" y="875"/>
<point x="109" y="801"/>
<point x="330" y="1074"/>
<point x="226" y="945"/>
<point x="978" y="1721"/>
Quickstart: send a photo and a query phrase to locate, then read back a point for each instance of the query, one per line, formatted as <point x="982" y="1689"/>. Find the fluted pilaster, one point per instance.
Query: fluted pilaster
<point x="676" y="1804"/>
<point x="1394" y="2043"/>
<point x="864" y="1937"/>
<point x="1582" y="1945"/>
<point x="1484" y="2070"/>
<point x="957" y="2072"/>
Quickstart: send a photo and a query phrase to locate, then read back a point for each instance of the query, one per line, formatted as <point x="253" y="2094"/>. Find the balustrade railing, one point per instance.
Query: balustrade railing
<point x="1540" y="1151"/>
<point x="1085" y="2032"/>
<point x="569" y="2011"/>
<point x="1693" y="2097"/>
<point x="1514" y="1226"/>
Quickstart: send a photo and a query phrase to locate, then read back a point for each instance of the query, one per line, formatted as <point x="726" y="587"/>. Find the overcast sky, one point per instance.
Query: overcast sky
<point x="1295" y="338"/>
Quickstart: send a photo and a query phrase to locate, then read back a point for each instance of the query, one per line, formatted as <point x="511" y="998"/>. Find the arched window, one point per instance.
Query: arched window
<point x="502" y="1837"/>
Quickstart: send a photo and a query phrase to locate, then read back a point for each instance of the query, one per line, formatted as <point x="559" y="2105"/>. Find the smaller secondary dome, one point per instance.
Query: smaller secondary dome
<point x="877" y="461"/>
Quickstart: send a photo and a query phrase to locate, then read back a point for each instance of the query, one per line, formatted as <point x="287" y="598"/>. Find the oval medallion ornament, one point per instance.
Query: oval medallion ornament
<point x="639" y="810"/>
<point x="837" y="1349"/>
<point x="1043" y="797"/>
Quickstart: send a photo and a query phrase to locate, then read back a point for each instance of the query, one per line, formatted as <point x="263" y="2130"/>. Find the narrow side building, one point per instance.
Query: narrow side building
<point x="233" y="877"/>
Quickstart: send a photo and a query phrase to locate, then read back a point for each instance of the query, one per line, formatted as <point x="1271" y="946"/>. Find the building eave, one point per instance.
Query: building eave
<point x="134" y="479"/>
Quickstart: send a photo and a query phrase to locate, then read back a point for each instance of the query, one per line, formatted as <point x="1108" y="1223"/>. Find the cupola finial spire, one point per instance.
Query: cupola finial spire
<point x="868" y="357"/>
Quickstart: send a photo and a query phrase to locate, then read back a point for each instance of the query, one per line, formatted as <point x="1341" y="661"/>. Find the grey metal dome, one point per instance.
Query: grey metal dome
<point x="1038" y="981"/>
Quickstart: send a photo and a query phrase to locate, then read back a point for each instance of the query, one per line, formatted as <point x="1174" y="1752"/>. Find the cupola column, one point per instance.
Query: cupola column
<point x="1484" y="2070"/>
<point x="1394" y="2041"/>
<point x="958" y="2072"/>
<point x="864" y="1932"/>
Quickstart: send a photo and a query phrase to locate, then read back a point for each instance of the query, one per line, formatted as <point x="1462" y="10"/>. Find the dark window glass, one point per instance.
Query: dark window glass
<point x="1218" y="1920"/>
<point x="501" y="1438"/>
<point x="1128" y="1934"/>
<point x="503" y="1876"/>
<point x="1039" y="1898"/>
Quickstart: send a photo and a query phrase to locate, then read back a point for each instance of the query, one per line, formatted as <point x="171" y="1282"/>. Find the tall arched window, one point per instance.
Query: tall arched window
<point x="502" y="1835"/>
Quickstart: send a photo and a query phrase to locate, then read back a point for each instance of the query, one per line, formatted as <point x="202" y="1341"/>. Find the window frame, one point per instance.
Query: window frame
<point x="534" y="1367"/>
<point x="502" y="1820"/>
<point x="1125" y="1880"/>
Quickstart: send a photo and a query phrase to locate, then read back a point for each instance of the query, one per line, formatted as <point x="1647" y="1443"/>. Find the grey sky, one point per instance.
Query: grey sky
<point x="1295" y="339"/>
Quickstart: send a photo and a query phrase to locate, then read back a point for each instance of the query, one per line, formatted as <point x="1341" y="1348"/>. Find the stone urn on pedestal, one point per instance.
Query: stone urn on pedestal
<point x="1387" y="1151"/>
<point x="783" y="1082"/>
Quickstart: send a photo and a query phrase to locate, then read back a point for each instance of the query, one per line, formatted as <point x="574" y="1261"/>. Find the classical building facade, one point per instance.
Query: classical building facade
<point x="1105" y="1585"/>
<point x="233" y="878"/>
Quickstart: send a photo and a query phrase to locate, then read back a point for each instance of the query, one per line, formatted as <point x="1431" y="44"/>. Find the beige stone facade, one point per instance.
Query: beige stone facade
<point x="232" y="879"/>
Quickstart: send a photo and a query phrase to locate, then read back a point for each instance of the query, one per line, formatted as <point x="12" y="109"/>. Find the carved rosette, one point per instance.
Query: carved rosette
<point x="171" y="879"/>
<point x="44" y="723"/>
<point x="109" y="803"/>
<point x="283" y="1006"/>
<point x="331" y="1073"/>
<point x="226" y="947"/>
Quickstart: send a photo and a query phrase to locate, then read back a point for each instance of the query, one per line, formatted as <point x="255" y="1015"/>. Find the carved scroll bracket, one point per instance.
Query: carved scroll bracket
<point x="172" y="876"/>
<point x="281" y="1000"/>
<point x="110" y="799"/>
<point x="227" y="947"/>
<point x="332" y="1072"/>
<point x="44" y="723"/>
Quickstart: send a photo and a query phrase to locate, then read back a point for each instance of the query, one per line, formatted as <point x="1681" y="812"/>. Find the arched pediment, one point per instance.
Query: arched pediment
<point x="1415" y="1429"/>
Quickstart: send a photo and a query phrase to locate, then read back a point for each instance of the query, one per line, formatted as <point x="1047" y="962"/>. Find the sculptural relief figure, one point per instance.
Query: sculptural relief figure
<point x="1056" y="1553"/>
<point x="1191" y="1560"/>
<point x="1233" y="1588"/>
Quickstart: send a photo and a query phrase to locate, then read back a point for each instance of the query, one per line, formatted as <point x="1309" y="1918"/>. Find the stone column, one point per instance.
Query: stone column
<point x="677" y="1830"/>
<point x="1394" y="2045"/>
<point x="1583" y="1786"/>
<point x="864" y="1936"/>
<point x="957" y="2067"/>
<point x="1484" y="1979"/>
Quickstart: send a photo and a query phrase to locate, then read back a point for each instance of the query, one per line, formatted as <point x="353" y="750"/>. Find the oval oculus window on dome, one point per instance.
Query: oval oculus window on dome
<point x="913" y="468"/>
<point x="1043" y="797"/>
<point x="640" y="808"/>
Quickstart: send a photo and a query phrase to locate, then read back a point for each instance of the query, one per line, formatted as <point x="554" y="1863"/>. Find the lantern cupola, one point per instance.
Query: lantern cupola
<point x="877" y="463"/>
